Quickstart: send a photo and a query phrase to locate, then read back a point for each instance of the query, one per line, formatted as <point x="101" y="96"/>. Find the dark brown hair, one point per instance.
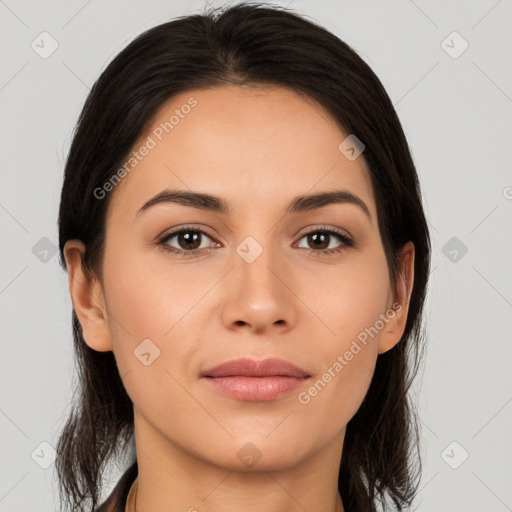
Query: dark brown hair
<point x="246" y="44"/>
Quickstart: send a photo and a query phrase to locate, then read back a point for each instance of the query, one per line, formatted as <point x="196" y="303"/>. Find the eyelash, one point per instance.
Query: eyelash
<point x="346" y="241"/>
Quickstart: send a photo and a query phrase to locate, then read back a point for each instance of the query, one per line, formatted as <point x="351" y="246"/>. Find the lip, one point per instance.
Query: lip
<point x="255" y="380"/>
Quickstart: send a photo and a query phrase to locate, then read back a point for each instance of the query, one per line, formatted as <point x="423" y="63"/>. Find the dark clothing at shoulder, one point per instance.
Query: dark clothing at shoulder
<point x="116" y="502"/>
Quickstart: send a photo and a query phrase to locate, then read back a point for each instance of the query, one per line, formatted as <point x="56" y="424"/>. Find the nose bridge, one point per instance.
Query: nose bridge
<point x="258" y="296"/>
<point x="257" y="262"/>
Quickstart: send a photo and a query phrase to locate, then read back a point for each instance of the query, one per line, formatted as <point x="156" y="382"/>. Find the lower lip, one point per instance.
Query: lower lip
<point x="255" y="388"/>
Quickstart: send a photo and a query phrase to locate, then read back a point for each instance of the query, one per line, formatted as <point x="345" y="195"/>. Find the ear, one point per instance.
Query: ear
<point x="398" y="306"/>
<point x="88" y="298"/>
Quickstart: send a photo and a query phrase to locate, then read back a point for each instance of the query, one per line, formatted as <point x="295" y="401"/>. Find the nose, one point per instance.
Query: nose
<point x="258" y="297"/>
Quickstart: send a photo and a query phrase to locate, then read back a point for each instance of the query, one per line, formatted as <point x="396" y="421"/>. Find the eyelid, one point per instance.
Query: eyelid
<point x="323" y="227"/>
<point x="175" y="231"/>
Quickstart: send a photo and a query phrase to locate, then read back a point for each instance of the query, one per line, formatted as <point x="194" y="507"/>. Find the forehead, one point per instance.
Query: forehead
<point x="253" y="146"/>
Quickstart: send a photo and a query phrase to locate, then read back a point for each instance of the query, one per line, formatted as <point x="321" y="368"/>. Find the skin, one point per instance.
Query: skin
<point x="258" y="148"/>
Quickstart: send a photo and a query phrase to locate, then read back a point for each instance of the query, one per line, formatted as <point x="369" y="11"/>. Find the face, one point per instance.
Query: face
<point x="189" y="285"/>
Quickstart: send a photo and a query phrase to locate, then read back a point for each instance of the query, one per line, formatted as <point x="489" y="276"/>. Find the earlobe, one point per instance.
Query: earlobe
<point x="401" y="297"/>
<point x="88" y="299"/>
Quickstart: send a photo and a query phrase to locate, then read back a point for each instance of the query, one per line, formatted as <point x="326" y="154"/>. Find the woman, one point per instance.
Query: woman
<point x="247" y="252"/>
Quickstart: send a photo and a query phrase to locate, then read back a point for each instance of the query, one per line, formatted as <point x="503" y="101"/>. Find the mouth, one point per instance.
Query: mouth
<point x="253" y="380"/>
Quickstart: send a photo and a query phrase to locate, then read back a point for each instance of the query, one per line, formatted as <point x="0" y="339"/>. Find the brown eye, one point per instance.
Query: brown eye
<point x="323" y="241"/>
<point x="318" y="240"/>
<point x="186" y="241"/>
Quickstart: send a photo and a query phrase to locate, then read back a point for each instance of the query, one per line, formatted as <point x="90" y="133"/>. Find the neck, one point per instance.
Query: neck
<point x="172" y="479"/>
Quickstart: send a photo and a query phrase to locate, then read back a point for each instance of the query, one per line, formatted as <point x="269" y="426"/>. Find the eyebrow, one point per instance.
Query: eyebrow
<point x="216" y="204"/>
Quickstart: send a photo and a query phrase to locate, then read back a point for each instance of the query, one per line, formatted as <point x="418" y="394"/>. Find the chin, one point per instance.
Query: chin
<point x="257" y="454"/>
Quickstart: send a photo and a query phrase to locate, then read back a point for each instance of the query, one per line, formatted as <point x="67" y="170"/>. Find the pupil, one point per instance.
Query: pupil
<point x="322" y="237"/>
<point x="189" y="238"/>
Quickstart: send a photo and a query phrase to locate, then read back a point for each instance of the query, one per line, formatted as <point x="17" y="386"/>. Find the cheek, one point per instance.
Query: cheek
<point x="348" y="298"/>
<point x="147" y="300"/>
<point x="346" y="359"/>
<point x="155" y="324"/>
<point x="334" y="396"/>
<point x="351" y="307"/>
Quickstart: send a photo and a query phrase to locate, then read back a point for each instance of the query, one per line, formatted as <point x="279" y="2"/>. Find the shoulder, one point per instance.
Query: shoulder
<point x="116" y="502"/>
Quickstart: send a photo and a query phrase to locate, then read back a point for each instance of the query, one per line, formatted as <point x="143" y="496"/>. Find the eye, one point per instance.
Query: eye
<point x="322" y="241"/>
<point x="189" y="241"/>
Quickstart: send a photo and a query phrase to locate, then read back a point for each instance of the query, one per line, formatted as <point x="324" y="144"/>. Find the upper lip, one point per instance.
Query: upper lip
<point x="256" y="368"/>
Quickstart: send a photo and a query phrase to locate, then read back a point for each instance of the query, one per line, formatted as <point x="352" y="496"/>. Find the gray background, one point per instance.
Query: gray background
<point x="456" y="111"/>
